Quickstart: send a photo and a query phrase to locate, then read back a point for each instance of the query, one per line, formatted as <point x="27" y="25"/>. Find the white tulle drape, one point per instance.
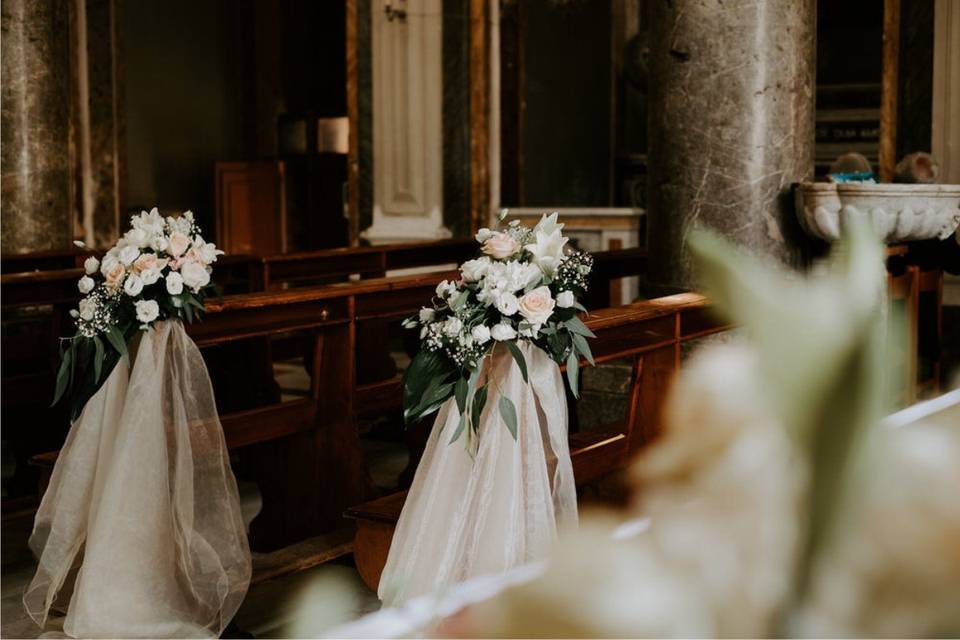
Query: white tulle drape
<point x="469" y="515"/>
<point x="139" y="533"/>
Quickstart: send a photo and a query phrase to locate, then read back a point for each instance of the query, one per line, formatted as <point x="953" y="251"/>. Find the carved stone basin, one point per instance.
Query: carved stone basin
<point x="898" y="212"/>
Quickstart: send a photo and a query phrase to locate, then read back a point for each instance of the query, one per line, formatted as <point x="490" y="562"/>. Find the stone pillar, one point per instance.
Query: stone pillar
<point x="731" y="125"/>
<point x="35" y="155"/>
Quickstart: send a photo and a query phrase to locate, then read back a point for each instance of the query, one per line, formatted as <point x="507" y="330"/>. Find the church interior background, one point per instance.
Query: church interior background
<point x="328" y="144"/>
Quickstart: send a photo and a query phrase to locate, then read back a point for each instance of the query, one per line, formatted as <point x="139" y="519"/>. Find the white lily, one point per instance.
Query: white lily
<point x="547" y="251"/>
<point x="549" y="224"/>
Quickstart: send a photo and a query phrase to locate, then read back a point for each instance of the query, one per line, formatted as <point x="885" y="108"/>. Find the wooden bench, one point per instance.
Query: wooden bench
<point x="307" y="461"/>
<point x="295" y="439"/>
<point x="39" y="289"/>
<point x="42" y="260"/>
<point x="651" y="334"/>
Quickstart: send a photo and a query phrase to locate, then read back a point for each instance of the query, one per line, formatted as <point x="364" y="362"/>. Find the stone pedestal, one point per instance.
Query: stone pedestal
<point x="732" y="88"/>
<point x="36" y="203"/>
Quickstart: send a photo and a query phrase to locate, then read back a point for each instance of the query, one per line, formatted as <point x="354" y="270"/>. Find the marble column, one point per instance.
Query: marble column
<point x="35" y="162"/>
<point x="731" y="123"/>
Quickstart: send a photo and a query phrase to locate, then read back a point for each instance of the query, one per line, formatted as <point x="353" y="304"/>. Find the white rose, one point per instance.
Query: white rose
<point x="483" y="234"/>
<point x="86" y="285"/>
<point x="565" y="299"/>
<point x="133" y="285"/>
<point x="128" y="254"/>
<point x="109" y="261"/>
<point x="88" y="306"/>
<point x="135" y="237"/>
<point x="503" y="331"/>
<point x="480" y="333"/>
<point x="500" y="245"/>
<point x="507" y="304"/>
<point x="90" y="265"/>
<point x="537" y="306"/>
<point x="547" y="251"/>
<point x="426" y="314"/>
<point x="473" y="270"/>
<point x="174" y="283"/>
<point x="147" y="310"/>
<point x="195" y="275"/>
<point x="150" y="276"/>
<point x="177" y="244"/>
<point x="452" y="326"/>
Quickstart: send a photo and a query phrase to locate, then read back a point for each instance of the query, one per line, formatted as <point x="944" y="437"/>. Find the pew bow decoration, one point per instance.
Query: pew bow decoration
<point x="160" y="269"/>
<point x="525" y="288"/>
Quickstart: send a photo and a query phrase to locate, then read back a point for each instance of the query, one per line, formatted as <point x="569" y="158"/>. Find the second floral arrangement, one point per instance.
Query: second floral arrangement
<point x="159" y="270"/>
<point x="526" y="286"/>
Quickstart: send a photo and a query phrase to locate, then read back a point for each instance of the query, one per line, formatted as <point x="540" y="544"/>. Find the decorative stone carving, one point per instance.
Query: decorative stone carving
<point x="898" y="212"/>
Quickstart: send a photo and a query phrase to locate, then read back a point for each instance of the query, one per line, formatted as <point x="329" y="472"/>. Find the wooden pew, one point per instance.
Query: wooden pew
<point x="38" y="289"/>
<point x="651" y="334"/>
<point x="42" y="260"/>
<point x="320" y="267"/>
<point x="301" y="440"/>
<point x="308" y="462"/>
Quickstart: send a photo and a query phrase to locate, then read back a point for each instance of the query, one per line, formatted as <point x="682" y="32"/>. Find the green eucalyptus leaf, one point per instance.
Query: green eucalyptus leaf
<point x="98" y="358"/>
<point x="63" y="375"/>
<point x="435" y="395"/>
<point x="573" y="372"/>
<point x="575" y="325"/>
<point x="476" y="407"/>
<point x="119" y="343"/>
<point x="581" y="345"/>
<point x="461" y="425"/>
<point x="518" y="356"/>
<point x="425" y="367"/>
<point x="509" y="414"/>
<point x="460" y="393"/>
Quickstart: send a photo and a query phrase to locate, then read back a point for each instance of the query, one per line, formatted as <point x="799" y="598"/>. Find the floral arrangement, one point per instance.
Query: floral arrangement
<point x="525" y="286"/>
<point x="160" y="269"/>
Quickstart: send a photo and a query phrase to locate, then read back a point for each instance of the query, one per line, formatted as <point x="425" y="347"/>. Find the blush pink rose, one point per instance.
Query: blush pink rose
<point x="177" y="244"/>
<point x="500" y="245"/>
<point x="536" y="306"/>
<point x="148" y="262"/>
<point x="114" y="275"/>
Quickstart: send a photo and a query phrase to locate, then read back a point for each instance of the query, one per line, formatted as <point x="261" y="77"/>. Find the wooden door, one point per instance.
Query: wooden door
<point x="251" y="211"/>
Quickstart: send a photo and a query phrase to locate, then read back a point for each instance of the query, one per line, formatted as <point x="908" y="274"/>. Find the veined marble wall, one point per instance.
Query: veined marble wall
<point x="732" y="89"/>
<point x="60" y="152"/>
<point x="36" y="203"/>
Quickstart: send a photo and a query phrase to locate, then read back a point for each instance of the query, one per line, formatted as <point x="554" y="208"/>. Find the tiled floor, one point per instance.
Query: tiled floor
<point x="300" y="604"/>
<point x="305" y="602"/>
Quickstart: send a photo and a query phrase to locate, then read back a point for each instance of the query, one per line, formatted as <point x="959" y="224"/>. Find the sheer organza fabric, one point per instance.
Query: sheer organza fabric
<point x="491" y="504"/>
<point x="139" y="533"/>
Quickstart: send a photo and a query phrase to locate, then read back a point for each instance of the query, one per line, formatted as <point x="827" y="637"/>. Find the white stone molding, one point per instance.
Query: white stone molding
<point x="407" y="123"/>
